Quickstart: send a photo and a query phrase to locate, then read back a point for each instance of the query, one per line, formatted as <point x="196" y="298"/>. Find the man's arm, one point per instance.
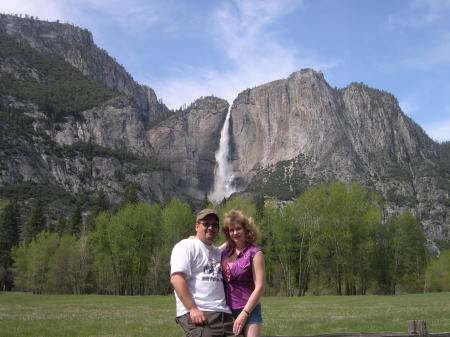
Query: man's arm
<point x="180" y="286"/>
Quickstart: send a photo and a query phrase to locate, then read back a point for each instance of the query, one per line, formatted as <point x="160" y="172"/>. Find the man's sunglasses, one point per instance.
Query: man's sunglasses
<point x="207" y="225"/>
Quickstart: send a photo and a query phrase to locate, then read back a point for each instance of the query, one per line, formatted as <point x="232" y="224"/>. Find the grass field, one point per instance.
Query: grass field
<point x="24" y="314"/>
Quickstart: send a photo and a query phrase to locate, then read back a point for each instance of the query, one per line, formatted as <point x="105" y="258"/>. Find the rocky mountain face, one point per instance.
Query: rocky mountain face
<point x="339" y="129"/>
<point x="78" y="169"/>
<point x="300" y="131"/>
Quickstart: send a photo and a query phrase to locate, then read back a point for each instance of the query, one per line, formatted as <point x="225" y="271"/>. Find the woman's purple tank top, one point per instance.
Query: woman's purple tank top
<point x="238" y="276"/>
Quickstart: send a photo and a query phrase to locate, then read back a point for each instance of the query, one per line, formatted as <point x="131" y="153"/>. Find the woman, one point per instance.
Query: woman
<point x="243" y="272"/>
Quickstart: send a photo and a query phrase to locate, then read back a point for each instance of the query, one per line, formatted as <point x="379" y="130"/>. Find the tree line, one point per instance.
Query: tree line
<point x="331" y="239"/>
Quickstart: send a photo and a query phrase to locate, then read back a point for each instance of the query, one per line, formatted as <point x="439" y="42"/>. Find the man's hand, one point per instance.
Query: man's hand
<point x="197" y="316"/>
<point x="180" y="286"/>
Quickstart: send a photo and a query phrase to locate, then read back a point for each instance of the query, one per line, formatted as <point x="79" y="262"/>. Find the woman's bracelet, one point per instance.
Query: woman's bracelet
<point x="248" y="314"/>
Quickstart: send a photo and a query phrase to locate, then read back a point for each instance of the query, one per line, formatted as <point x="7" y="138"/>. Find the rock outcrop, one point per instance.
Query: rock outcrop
<point x="116" y="124"/>
<point x="352" y="134"/>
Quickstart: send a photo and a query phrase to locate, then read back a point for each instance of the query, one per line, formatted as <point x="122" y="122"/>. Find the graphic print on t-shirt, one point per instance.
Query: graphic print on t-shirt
<point x="213" y="271"/>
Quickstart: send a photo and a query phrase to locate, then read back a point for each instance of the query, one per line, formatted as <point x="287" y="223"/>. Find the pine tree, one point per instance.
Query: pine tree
<point x="36" y="221"/>
<point x="130" y="195"/>
<point x="101" y="203"/>
<point x="259" y="206"/>
<point x="61" y="224"/>
<point x="76" y="219"/>
<point x="9" y="232"/>
<point x="205" y="201"/>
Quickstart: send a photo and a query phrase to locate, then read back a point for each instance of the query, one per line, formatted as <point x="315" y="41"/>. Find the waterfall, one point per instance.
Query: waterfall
<point x="223" y="176"/>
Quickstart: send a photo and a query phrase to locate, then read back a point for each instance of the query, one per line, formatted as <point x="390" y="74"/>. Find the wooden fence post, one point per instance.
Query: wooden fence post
<point x="418" y="328"/>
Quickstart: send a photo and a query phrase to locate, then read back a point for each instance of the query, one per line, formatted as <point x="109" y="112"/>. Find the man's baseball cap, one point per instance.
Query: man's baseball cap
<point x="205" y="212"/>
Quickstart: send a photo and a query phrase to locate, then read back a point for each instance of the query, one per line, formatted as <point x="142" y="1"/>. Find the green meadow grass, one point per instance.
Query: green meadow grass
<point x="23" y="314"/>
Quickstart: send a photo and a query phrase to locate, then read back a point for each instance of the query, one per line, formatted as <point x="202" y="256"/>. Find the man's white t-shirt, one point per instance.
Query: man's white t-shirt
<point x="201" y="264"/>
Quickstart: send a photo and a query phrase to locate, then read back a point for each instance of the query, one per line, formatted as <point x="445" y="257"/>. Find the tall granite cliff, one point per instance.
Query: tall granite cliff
<point x="300" y="131"/>
<point x="339" y="128"/>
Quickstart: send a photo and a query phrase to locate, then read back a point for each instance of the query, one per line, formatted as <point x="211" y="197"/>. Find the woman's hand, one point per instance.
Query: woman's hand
<point x="239" y="323"/>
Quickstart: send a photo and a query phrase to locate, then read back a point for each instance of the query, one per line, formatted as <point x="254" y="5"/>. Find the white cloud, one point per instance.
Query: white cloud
<point x="241" y="26"/>
<point x="241" y="30"/>
<point x="439" y="131"/>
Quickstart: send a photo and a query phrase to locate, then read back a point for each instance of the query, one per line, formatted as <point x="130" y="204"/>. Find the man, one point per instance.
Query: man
<point x="197" y="280"/>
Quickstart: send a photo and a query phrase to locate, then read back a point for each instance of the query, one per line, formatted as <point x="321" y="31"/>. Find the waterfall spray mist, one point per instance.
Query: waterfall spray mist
<point x="223" y="176"/>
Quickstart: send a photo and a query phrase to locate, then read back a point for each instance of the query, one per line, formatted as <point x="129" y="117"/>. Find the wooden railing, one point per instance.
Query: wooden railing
<point x="416" y="328"/>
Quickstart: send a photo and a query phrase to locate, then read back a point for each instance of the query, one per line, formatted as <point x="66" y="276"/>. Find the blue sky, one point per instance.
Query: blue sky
<point x="192" y="48"/>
